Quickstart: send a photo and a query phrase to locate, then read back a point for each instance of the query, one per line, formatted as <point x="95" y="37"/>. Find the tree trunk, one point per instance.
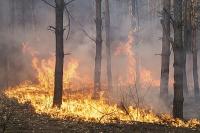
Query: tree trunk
<point x="187" y="39"/>
<point x="12" y="15"/>
<point x="135" y="20"/>
<point x="164" y="82"/>
<point x="58" y="83"/>
<point x="179" y="61"/>
<point x="108" y="44"/>
<point x="23" y="15"/>
<point x="135" y="31"/>
<point x="133" y="6"/>
<point x="7" y="70"/>
<point x="137" y="40"/>
<point x="185" y="84"/>
<point x="33" y="15"/>
<point x="97" y="71"/>
<point x="188" y="25"/>
<point x="195" y="66"/>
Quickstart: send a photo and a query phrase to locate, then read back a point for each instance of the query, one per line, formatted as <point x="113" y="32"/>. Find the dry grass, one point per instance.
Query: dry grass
<point x="21" y="118"/>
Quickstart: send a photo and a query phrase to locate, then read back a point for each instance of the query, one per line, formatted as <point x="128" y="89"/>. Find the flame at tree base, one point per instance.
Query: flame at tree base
<point x="81" y="106"/>
<point x="40" y="96"/>
<point x="88" y="109"/>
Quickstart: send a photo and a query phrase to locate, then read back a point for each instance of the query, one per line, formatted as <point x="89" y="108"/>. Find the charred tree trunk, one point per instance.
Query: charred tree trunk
<point x="108" y="44"/>
<point x="12" y="15"/>
<point x="195" y="66"/>
<point x="134" y="18"/>
<point x="135" y="31"/>
<point x="164" y="82"/>
<point x="194" y="21"/>
<point x="97" y="71"/>
<point x="185" y="84"/>
<point x="7" y="70"/>
<point x="179" y="62"/>
<point x="187" y="39"/>
<point x="33" y="15"/>
<point x="136" y="34"/>
<point x="23" y="15"/>
<point x="133" y="6"/>
<point x="58" y="83"/>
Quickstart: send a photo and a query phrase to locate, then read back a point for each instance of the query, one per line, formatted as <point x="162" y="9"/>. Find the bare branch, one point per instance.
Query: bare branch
<point x="109" y="114"/>
<point x="82" y="29"/>
<point x="48" y="3"/>
<point x="69" y="22"/>
<point x="171" y="19"/>
<point x="164" y="29"/>
<point x="69" y="2"/>
<point x="51" y="28"/>
<point x="124" y="108"/>
<point x="67" y="54"/>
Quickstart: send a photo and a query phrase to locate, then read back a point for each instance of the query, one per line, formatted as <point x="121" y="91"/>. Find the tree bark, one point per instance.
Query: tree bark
<point x="187" y="39"/>
<point x="188" y="25"/>
<point x="108" y="44"/>
<point x="185" y="84"/>
<point x="135" y="31"/>
<point x="195" y="66"/>
<point x="33" y="15"/>
<point x="23" y="15"/>
<point x="97" y="71"/>
<point x="179" y="61"/>
<point x="133" y="6"/>
<point x="12" y="15"/>
<point x="165" y="58"/>
<point x="58" y="83"/>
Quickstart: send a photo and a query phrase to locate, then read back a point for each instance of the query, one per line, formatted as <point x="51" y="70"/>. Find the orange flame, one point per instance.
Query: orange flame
<point x="40" y="96"/>
<point x="145" y="75"/>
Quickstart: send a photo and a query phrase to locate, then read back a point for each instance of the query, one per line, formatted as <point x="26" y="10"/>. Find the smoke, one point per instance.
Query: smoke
<point x="34" y="32"/>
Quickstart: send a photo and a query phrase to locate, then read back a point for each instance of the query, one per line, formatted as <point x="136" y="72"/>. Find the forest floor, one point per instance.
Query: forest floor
<point x="21" y="118"/>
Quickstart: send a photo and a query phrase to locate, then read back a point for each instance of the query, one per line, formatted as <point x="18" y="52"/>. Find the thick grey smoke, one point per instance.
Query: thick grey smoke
<point x="27" y="21"/>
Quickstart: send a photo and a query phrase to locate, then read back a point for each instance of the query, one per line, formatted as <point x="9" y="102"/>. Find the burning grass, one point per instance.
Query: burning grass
<point x="40" y="95"/>
<point x="87" y="109"/>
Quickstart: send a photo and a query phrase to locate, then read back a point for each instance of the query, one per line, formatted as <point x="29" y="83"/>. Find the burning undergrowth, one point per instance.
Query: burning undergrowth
<point x="88" y="109"/>
<point x="77" y="100"/>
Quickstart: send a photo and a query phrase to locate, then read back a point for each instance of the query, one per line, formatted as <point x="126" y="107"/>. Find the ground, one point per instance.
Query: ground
<point x="21" y="118"/>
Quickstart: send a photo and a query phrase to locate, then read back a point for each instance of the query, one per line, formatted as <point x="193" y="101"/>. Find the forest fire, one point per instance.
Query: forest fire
<point x="109" y="66"/>
<point x="87" y="109"/>
<point x="40" y="95"/>
<point x="145" y="75"/>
